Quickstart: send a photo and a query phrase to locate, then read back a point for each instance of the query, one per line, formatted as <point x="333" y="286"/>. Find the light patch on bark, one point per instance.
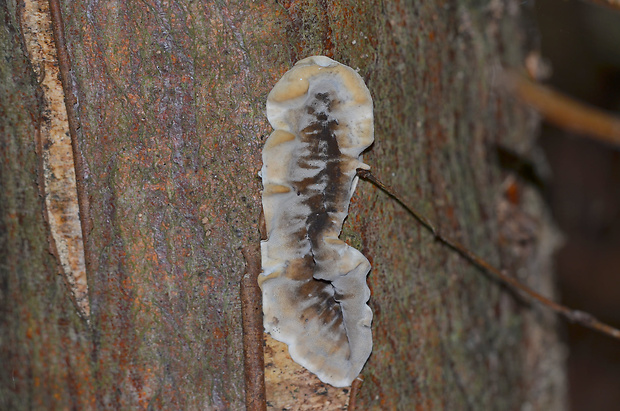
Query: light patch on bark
<point x="289" y="386"/>
<point x="55" y="151"/>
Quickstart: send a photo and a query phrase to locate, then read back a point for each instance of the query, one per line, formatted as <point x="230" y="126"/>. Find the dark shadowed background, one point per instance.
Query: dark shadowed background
<point x="581" y="42"/>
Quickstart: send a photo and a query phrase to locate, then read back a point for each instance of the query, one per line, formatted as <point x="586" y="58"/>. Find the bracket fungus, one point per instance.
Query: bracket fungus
<point x="314" y="284"/>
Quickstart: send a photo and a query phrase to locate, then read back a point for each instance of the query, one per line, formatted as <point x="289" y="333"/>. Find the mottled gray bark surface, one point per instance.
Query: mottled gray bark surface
<point x="170" y="123"/>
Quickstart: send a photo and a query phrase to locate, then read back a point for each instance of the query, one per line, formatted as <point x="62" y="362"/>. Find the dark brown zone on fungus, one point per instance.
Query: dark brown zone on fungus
<point x="319" y="139"/>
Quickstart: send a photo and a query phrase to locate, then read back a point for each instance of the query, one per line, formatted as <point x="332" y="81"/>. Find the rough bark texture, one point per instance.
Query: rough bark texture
<point x="170" y="123"/>
<point x="445" y="336"/>
<point x="44" y="346"/>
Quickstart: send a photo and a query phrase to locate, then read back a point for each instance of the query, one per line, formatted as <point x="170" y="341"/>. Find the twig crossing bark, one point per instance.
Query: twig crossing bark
<point x="576" y="316"/>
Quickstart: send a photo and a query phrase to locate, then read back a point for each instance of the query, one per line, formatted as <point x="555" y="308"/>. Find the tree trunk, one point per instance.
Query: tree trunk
<point x="166" y="101"/>
<point x="45" y="347"/>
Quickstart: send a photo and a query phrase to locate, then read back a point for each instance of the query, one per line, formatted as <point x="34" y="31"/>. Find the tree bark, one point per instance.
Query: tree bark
<point x="168" y="125"/>
<point x="45" y="347"/>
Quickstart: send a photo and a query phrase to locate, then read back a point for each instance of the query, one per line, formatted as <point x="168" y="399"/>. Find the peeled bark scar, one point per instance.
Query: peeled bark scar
<point x="314" y="285"/>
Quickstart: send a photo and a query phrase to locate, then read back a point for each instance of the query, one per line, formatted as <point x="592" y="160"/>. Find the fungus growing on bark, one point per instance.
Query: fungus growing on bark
<point x="314" y="284"/>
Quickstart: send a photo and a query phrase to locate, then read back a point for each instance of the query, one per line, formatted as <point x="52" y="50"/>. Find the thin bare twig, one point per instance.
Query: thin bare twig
<point x="252" y="324"/>
<point x="563" y="111"/>
<point x="576" y="316"/>
<point x="355" y="389"/>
